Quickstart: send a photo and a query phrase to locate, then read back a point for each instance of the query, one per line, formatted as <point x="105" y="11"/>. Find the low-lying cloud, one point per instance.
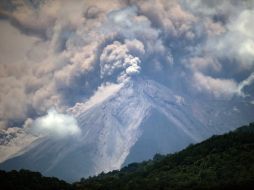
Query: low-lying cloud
<point x="55" y="124"/>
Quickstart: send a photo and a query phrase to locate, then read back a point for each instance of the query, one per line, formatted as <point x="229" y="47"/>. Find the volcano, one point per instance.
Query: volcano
<point x="123" y="123"/>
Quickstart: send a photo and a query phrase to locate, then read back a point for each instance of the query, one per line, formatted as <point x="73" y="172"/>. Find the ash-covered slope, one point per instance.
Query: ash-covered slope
<point x="131" y="123"/>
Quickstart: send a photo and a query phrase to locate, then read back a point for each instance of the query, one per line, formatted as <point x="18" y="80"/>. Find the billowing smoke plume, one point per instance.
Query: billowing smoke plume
<point x="58" y="53"/>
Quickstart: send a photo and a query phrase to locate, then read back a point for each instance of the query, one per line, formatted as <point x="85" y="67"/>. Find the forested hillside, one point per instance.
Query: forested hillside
<point x="28" y="180"/>
<point x="221" y="162"/>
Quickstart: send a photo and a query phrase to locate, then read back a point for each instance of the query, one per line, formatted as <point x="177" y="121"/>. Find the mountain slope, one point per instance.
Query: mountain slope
<point x="125" y="123"/>
<point x="221" y="162"/>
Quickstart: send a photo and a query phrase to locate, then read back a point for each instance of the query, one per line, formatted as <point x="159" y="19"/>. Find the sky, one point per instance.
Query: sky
<point x="56" y="54"/>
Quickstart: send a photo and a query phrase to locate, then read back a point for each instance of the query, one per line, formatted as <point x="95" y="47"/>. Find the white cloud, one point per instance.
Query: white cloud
<point x="224" y="8"/>
<point x="245" y="83"/>
<point x="237" y="42"/>
<point x="15" y="140"/>
<point x="220" y="88"/>
<point x="55" y="124"/>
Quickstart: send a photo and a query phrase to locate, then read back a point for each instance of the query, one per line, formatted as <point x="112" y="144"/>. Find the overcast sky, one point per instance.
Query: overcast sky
<point x="56" y="54"/>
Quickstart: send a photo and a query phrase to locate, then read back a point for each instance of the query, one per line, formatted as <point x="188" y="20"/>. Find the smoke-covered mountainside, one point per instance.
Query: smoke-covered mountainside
<point x="221" y="162"/>
<point x="133" y="122"/>
<point x="90" y="86"/>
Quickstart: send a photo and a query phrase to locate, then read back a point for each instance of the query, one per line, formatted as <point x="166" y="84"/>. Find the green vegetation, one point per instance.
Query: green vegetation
<point x="221" y="162"/>
<point x="27" y="180"/>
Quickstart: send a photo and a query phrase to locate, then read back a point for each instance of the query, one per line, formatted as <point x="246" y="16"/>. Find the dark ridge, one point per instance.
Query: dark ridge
<point x="221" y="162"/>
<point x="28" y="180"/>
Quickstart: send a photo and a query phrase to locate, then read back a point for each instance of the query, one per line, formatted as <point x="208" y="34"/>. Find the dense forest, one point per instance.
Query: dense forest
<point x="221" y="162"/>
<point x="28" y="180"/>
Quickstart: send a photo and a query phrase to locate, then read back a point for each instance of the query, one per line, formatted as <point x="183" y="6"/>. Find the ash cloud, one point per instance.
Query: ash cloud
<point x="72" y="48"/>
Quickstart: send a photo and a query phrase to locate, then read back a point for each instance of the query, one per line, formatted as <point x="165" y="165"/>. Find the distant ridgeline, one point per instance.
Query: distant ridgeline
<point x="221" y="162"/>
